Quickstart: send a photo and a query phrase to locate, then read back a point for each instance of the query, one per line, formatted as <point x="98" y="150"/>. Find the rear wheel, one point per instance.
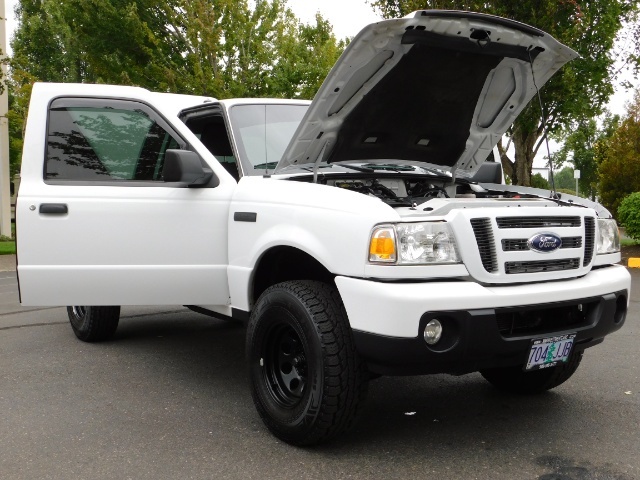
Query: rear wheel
<point x="515" y="380"/>
<point x="307" y="381"/>
<point x="94" y="324"/>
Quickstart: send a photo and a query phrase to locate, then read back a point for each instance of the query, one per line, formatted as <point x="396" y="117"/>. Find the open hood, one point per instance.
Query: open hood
<point x="439" y="87"/>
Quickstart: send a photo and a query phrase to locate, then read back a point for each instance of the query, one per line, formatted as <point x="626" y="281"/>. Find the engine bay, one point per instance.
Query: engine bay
<point x="400" y="185"/>
<point x="393" y="191"/>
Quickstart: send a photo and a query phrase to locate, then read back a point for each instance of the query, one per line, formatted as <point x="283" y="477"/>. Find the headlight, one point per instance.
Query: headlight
<point x="413" y="244"/>
<point x="608" y="238"/>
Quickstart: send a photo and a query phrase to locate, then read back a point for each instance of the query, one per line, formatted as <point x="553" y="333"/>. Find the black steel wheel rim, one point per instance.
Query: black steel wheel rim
<point x="284" y="363"/>
<point x="78" y="316"/>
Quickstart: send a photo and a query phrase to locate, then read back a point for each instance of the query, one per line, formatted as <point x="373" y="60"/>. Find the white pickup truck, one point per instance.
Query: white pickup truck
<point x="362" y="234"/>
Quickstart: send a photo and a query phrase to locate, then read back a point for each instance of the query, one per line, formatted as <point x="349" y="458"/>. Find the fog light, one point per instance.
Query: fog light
<point x="433" y="332"/>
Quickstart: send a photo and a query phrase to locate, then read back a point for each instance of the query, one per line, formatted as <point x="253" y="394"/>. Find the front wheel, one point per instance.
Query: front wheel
<point x="515" y="380"/>
<point x="94" y="324"/>
<point x="307" y="381"/>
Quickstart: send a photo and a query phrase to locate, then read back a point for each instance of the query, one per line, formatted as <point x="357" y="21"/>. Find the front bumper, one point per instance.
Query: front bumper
<point x="485" y="326"/>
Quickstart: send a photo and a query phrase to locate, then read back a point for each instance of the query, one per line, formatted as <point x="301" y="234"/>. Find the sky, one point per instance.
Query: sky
<point x="348" y="17"/>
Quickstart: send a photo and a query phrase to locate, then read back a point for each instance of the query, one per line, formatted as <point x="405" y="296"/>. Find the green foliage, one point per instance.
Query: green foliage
<point x="20" y="85"/>
<point x="579" y="148"/>
<point x="304" y="60"/>
<point x="628" y="242"/>
<point x="538" y="181"/>
<point x="216" y="48"/>
<point x="7" y="247"/>
<point x="578" y="91"/>
<point x="579" y="144"/>
<point x="617" y="157"/>
<point x="3" y="62"/>
<point x="629" y="215"/>
<point x="564" y="179"/>
<point x="569" y="191"/>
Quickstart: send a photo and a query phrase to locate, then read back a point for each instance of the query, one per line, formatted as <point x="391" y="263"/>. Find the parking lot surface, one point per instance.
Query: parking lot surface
<point x="169" y="398"/>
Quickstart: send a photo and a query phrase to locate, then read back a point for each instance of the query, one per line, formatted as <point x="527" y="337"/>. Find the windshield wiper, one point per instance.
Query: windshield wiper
<point x="265" y="165"/>
<point x="390" y="166"/>
<point x="350" y="167"/>
<point x="396" y="168"/>
<point x="357" y="169"/>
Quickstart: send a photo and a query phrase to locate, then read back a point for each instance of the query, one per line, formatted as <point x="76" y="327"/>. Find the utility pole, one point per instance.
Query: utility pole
<point x="5" y="188"/>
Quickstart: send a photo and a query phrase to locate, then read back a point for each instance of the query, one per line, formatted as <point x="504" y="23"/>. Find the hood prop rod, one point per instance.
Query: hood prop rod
<point x="554" y="193"/>
<point x="316" y="166"/>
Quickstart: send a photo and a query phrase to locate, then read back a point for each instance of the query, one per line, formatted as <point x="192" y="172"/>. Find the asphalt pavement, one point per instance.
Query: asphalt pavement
<point x="168" y="398"/>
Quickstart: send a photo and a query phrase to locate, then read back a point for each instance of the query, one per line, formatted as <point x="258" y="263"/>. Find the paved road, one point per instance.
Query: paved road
<point x="168" y="399"/>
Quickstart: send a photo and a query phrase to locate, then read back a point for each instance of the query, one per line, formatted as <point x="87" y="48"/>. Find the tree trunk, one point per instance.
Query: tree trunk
<point x="523" y="145"/>
<point x="507" y="164"/>
<point x="520" y="169"/>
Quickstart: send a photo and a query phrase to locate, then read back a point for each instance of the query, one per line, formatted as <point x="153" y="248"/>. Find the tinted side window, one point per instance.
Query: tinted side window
<point x="104" y="140"/>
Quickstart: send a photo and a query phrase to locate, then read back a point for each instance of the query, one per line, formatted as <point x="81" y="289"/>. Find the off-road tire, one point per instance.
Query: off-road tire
<point x="94" y="324"/>
<point x="515" y="380"/>
<point x="307" y="381"/>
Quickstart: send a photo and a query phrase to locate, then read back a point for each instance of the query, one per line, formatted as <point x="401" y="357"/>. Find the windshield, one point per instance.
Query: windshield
<point x="262" y="133"/>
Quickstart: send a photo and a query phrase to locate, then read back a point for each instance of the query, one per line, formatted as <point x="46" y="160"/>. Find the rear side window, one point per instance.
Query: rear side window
<point x="105" y="140"/>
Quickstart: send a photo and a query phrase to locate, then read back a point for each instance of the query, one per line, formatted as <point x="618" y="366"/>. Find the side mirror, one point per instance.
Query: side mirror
<point x="185" y="167"/>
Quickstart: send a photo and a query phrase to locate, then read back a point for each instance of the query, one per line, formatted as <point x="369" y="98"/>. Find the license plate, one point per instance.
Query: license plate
<point x="549" y="352"/>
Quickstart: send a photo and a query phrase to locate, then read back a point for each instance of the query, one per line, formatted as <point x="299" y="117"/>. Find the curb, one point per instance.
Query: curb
<point x="634" y="263"/>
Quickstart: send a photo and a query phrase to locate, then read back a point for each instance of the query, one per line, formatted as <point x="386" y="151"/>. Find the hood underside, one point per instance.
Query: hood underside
<point x="437" y="87"/>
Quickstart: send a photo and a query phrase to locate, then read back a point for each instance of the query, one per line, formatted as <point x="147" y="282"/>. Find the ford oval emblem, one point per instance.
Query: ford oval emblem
<point x="544" y="242"/>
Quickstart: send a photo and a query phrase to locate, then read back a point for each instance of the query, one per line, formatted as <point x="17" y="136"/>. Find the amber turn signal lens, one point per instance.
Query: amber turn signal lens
<point x="382" y="247"/>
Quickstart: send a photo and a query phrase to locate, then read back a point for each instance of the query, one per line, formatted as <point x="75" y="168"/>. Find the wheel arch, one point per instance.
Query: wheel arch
<point x="283" y="263"/>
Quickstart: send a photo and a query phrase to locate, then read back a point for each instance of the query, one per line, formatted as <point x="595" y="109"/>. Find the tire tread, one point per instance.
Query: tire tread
<point x="99" y="325"/>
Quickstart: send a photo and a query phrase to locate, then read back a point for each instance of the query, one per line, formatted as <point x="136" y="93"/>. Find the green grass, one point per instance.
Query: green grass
<point x="628" y="242"/>
<point x="7" y="248"/>
<point x="8" y="245"/>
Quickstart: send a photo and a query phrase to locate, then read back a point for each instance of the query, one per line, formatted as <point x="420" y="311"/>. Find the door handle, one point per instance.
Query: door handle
<point x="54" y="208"/>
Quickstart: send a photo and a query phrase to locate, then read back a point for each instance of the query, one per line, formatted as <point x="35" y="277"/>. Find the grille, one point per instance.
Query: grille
<point x="571" y="242"/>
<point x="520" y="244"/>
<point x="486" y="244"/>
<point x="514" y="245"/>
<point x="589" y="239"/>
<point x="537" y="222"/>
<point x="541" y="266"/>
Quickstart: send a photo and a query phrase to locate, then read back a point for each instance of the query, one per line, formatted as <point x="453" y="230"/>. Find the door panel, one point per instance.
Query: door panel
<point x="126" y="237"/>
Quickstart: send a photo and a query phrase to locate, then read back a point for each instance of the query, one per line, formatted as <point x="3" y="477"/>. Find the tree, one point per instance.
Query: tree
<point x="305" y="60"/>
<point x="618" y="159"/>
<point x="19" y="93"/>
<point x="574" y="94"/>
<point x="579" y="148"/>
<point x="564" y="179"/>
<point x="629" y="215"/>
<point x="538" y="181"/>
<point x="216" y="48"/>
